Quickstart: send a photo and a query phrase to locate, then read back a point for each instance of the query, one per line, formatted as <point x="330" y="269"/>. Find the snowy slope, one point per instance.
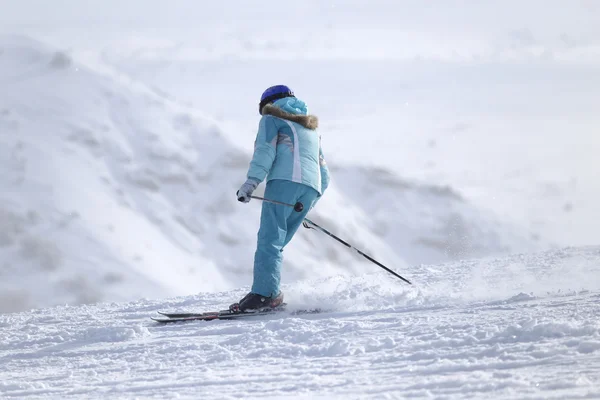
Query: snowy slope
<point x="115" y="192"/>
<point x="523" y="327"/>
<point x="463" y="129"/>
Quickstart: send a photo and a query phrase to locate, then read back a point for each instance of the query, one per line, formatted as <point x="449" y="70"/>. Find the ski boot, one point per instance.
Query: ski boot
<point x="253" y="302"/>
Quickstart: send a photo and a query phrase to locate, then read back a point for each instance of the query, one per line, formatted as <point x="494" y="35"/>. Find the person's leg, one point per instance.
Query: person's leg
<point x="271" y="238"/>
<point x="307" y="196"/>
<point x="278" y="225"/>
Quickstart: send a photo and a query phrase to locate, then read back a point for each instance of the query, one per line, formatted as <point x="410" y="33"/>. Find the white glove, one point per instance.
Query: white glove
<point x="246" y="190"/>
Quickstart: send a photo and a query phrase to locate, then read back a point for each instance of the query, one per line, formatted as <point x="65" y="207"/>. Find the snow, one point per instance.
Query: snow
<point x="526" y="336"/>
<point x="116" y="192"/>
<point x="463" y="143"/>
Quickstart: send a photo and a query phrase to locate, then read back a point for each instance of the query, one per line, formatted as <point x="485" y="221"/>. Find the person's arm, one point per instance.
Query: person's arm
<point x="265" y="148"/>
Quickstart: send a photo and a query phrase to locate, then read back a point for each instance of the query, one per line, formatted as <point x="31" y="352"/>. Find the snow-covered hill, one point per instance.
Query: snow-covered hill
<point x="112" y="191"/>
<point x="454" y="132"/>
<point x="523" y="327"/>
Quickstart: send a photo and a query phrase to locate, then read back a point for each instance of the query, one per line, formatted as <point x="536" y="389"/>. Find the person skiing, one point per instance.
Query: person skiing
<point x="287" y="153"/>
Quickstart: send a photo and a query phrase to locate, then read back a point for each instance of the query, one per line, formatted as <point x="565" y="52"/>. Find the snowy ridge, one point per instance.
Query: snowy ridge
<point x="467" y="329"/>
<point x="116" y="192"/>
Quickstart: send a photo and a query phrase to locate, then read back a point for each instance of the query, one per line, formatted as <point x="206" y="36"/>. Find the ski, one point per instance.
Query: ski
<point x="209" y="316"/>
<point x="185" y="315"/>
<point x="226" y="315"/>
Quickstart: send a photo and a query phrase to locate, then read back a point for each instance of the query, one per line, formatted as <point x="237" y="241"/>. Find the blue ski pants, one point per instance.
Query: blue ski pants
<point x="278" y="224"/>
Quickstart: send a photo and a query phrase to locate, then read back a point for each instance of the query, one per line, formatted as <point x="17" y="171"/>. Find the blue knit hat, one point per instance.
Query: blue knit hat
<point x="274" y="93"/>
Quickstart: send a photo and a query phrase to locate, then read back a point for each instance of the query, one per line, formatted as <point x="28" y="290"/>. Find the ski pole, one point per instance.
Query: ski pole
<point x="299" y="207"/>
<point x="315" y="226"/>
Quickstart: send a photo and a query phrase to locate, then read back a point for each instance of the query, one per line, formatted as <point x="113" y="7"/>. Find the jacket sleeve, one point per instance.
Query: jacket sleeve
<point x="324" y="171"/>
<point x="265" y="148"/>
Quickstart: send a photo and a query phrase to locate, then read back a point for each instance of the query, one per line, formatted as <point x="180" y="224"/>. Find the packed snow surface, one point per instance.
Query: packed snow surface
<point x="523" y="327"/>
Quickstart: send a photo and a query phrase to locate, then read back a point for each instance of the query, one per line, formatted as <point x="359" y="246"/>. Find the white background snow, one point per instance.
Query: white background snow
<point x="460" y="134"/>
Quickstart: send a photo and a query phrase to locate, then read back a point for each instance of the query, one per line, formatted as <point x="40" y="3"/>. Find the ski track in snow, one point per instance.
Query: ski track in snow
<point x="380" y="339"/>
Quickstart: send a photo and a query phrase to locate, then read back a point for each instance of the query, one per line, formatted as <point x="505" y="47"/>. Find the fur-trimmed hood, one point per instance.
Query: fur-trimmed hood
<point x="308" y="121"/>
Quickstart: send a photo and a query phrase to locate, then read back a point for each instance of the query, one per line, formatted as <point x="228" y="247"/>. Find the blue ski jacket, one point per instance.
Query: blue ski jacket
<point x="288" y="146"/>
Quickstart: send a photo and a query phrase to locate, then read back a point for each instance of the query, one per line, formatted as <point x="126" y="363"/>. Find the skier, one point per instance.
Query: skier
<point x="287" y="152"/>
